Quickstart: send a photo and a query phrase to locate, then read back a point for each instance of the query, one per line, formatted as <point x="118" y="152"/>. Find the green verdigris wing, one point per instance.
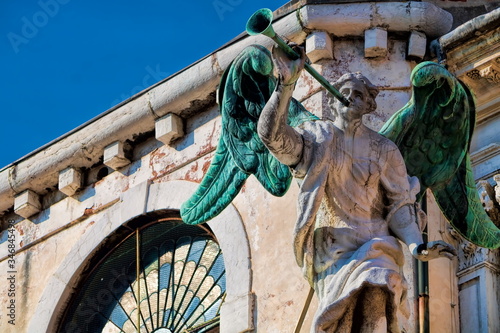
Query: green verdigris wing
<point x="219" y="186"/>
<point x="465" y="211"/>
<point x="433" y="132"/>
<point x="245" y="88"/>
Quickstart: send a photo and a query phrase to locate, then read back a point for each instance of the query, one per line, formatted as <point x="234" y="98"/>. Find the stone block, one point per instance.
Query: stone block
<point x="134" y="201"/>
<point x="237" y="314"/>
<point x="375" y="43"/>
<point x="70" y="181"/>
<point x="417" y="45"/>
<point x="27" y="203"/>
<point x="319" y="46"/>
<point x="169" y="128"/>
<point x="115" y="156"/>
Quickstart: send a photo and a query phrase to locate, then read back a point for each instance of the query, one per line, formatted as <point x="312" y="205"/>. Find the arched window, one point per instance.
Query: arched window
<point x="163" y="277"/>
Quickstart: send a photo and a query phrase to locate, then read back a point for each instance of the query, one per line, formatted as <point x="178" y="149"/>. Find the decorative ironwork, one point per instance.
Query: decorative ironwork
<point x="179" y="288"/>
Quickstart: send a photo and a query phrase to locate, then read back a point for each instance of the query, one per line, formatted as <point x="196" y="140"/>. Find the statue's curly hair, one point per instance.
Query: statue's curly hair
<point x="370" y="87"/>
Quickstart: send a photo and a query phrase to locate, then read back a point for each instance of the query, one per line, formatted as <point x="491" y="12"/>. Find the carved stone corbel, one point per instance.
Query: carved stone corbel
<point x="497" y="188"/>
<point x="490" y="203"/>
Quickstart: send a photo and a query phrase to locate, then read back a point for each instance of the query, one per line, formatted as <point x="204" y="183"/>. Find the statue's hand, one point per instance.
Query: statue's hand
<point x="433" y="250"/>
<point x="288" y="69"/>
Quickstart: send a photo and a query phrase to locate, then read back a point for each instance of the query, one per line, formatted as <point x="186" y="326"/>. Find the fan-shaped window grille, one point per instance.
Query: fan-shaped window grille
<point x="175" y="272"/>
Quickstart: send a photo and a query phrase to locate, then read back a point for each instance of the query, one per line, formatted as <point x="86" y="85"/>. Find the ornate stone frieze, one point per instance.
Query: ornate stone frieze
<point x="474" y="74"/>
<point x="491" y="74"/>
<point x="488" y="199"/>
<point x="489" y="71"/>
<point x="470" y="256"/>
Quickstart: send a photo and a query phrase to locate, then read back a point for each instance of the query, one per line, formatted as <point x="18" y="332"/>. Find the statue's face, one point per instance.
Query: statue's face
<point x="356" y="93"/>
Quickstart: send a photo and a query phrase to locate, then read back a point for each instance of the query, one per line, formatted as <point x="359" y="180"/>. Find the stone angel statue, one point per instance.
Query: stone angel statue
<point x="359" y="189"/>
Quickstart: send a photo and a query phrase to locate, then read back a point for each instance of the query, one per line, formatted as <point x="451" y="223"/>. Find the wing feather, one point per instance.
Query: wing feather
<point x="433" y="133"/>
<point x="460" y="204"/>
<point x="219" y="186"/>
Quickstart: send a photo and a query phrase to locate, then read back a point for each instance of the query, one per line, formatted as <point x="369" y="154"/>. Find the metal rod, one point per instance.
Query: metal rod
<point x="423" y="283"/>
<point x="138" y="274"/>
<point x="293" y="55"/>
<point x="261" y="23"/>
<point x="304" y="310"/>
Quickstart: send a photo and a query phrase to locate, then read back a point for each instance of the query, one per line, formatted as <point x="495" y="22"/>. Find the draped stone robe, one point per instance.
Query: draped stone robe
<point x="342" y="238"/>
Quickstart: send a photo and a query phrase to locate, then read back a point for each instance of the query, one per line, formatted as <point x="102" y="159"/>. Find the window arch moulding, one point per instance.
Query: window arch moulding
<point x="144" y="198"/>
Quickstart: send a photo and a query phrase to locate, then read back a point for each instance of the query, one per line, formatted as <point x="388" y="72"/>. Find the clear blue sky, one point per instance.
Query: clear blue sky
<point x="63" y="62"/>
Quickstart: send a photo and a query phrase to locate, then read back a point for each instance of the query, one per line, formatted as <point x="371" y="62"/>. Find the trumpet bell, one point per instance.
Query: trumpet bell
<point x="260" y="23"/>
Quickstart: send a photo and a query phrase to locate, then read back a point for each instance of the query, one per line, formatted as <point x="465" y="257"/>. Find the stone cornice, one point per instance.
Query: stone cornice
<point x="476" y="55"/>
<point x="478" y="266"/>
<point x="354" y="19"/>
<point x="470" y="30"/>
<point x="473" y="55"/>
<point x="485" y="154"/>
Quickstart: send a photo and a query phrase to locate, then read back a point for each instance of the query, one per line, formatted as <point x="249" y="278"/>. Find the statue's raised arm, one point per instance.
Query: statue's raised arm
<point x="282" y="140"/>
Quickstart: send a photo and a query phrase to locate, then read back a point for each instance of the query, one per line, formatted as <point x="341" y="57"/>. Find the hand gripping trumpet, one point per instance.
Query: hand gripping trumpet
<point x="260" y="23"/>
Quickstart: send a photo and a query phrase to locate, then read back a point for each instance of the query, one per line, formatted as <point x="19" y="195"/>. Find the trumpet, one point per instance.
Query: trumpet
<point x="261" y="23"/>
